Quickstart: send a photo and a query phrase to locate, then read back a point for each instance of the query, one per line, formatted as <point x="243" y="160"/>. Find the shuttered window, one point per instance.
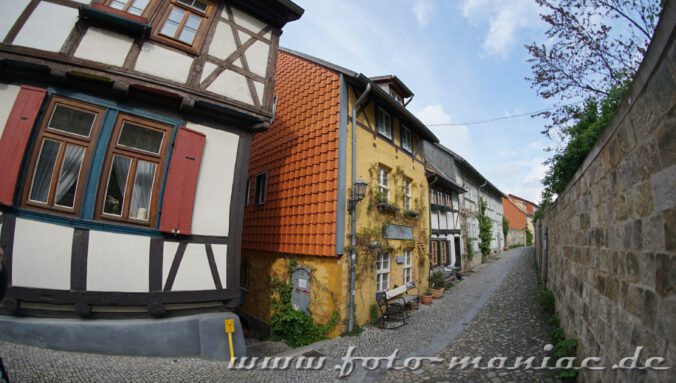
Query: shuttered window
<point x="79" y="154"/>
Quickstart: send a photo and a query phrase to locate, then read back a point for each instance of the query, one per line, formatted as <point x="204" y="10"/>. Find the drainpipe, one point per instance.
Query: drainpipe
<point x="408" y="101"/>
<point x="353" y="206"/>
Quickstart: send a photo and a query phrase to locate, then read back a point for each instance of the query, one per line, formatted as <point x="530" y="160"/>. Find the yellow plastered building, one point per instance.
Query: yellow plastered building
<point x="300" y="207"/>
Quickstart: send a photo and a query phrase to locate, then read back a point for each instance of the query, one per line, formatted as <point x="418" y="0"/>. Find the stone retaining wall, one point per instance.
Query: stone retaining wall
<point x="607" y="247"/>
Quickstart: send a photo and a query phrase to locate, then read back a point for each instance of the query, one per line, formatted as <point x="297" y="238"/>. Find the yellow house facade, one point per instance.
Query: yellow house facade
<point x="299" y="211"/>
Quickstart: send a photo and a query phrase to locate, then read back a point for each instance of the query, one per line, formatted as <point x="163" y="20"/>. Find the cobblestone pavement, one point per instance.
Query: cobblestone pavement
<point x="509" y="325"/>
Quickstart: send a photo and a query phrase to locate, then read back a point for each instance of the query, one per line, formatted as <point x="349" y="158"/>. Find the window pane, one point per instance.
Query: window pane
<point x="138" y="7"/>
<point x="72" y="120"/>
<point x="118" y="4"/>
<point x="139" y="137"/>
<point x="117" y="182"/>
<point x="197" y="4"/>
<point x="70" y="172"/>
<point x="143" y="188"/>
<point x="172" y="23"/>
<point x="187" y="35"/>
<point x="42" y="179"/>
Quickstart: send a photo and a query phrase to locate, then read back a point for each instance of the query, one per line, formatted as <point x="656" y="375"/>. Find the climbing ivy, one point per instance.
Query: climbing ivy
<point x="295" y="327"/>
<point x="381" y="211"/>
<point x="485" y="230"/>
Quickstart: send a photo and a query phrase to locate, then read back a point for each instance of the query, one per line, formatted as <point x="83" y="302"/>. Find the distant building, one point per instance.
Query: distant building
<point x="445" y="219"/>
<point x="528" y="207"/>
<point x="517" y="218"/>
<point x="477" y="186"/>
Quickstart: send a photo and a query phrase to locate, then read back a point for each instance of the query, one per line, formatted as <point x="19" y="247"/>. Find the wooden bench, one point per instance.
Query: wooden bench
<point x="403" y="289"/>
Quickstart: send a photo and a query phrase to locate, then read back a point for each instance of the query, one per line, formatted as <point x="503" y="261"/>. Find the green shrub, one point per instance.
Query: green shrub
<point x="546" y="300"/>
<point x="294" y="327"/>
<point x="373" y="313"/>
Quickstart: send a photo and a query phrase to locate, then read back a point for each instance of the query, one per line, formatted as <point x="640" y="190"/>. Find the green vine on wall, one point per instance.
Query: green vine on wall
<point x="370" y="239"/>
<point x="293" y="326"/>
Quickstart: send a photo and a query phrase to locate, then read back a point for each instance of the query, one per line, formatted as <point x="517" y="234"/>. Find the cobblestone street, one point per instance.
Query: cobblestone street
<point x="490" y="313"/>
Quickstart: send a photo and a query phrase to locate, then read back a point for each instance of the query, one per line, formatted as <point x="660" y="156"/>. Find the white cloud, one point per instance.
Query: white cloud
<point x="423" y="9"/>
<point x="505" y="19"/>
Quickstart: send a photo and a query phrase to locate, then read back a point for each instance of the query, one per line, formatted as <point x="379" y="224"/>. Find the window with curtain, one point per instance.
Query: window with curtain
<point x="62" y="156"/>
<point x="136" y="159"/>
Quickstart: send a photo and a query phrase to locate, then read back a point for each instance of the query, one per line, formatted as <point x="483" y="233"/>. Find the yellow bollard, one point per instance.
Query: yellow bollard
<point x="229" y="329"/>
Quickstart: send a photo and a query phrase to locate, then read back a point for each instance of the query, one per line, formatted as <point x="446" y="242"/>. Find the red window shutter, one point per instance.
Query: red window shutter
<point x="181" y="186"/>
<point x="15" y="137"/>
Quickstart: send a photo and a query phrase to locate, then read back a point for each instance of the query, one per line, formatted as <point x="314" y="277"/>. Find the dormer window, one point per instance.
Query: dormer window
<point x="396" y="96"/>
<point x="135" y="7"/>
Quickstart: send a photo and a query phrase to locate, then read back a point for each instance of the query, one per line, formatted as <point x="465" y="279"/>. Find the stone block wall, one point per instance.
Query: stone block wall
<point x="516" y="237"/>
<point x="607" y="247"/>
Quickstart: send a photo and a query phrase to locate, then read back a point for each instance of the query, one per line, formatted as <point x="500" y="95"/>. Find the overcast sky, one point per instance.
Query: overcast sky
<point x="465" y="61"/>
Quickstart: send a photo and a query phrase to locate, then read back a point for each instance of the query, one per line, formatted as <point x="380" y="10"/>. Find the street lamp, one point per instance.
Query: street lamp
<point x="358" y="193"/>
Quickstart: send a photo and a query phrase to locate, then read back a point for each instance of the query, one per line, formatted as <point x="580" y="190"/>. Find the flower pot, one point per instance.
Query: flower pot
<point x="426" y="299"/>
<point x="437" y="293"/>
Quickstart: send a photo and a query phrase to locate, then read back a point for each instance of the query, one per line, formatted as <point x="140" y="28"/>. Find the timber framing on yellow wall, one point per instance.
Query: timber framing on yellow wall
<point x="375" y="152"/>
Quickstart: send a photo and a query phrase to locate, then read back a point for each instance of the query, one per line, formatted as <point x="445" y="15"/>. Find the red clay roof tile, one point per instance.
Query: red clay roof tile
<point x="300" y="154"/>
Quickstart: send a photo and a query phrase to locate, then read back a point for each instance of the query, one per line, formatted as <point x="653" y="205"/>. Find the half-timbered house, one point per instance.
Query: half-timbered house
<point x="125" y="133"/>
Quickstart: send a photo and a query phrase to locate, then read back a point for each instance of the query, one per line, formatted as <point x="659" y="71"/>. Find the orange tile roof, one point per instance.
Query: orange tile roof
<point x="300" y="154"/>
<point x="515" y="216"/>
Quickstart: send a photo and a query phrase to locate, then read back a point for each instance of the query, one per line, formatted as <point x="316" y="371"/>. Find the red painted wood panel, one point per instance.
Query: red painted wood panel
<point x="15" y="137"/>
<point x="181" y="186"/>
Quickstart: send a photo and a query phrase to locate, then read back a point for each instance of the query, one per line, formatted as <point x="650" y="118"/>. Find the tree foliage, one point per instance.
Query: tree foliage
<point x="485" y="230"/>
<point x="505" y="226"/>
<point x="592" y="47"/>
<point x="593" y="50"/>
<point x="591" y="122"/>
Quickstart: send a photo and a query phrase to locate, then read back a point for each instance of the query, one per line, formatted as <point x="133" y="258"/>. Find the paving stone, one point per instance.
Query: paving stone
<point x="477" y="317"/>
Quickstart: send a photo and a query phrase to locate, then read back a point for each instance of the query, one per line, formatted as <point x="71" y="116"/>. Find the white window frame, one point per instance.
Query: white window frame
<point x="407" y="194"/>
<point x="384" y="183"/>
<point x="408" y="266"/>
<point x="382" y="272"/>
<point x="383" y="128"/>
<point x="407" y="144"/>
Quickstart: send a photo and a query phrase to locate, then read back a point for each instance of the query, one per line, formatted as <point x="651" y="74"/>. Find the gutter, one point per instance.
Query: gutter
<point x="353" y="210"/>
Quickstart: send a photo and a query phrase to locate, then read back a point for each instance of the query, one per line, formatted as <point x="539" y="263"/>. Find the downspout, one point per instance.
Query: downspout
<point x="353" y="208"/>
<point x="408" y="101"/>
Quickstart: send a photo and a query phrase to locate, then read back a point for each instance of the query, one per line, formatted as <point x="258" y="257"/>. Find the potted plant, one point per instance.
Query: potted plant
<point x="426" y="298"/>
<point x="436" y="282"/>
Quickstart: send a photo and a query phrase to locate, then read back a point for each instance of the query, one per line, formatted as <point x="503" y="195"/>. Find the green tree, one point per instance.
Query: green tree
<point x="485" y="230"/>
<point x="505" y="228"/>
<point x="529" y="237"/>
<point x="591" y="122"/>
